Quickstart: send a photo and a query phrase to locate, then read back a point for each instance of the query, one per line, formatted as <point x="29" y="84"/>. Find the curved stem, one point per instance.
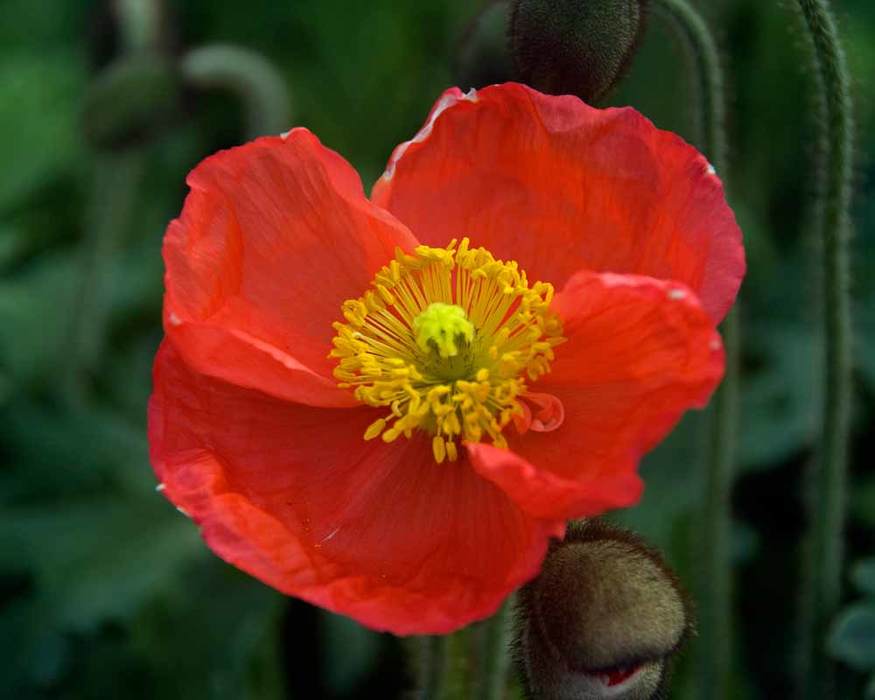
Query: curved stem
<point x="715" y="609"/>
<point x="823" y="576"/>
<point x="247" y="74"/>
<point x="140" y="23"/>
<point x="699" y="42"/>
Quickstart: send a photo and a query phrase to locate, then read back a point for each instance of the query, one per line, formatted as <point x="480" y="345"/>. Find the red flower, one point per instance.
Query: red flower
<point x="363" y="409"/>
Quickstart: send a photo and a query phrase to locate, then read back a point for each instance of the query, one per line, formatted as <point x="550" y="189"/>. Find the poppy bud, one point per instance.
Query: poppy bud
<point x="576" y="47"/>
<point x="133" y="98"/>
<point x="602" y="620"/>
<point x="483" y="57"/>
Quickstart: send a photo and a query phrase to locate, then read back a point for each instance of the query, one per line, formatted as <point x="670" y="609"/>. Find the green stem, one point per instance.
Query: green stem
<point x="715" y="615"/>
<point x="705" y="59"/>
<point x="433" y="667"/>
<point x="471" y="663"/>
<point x="140" y="24"/>
<point x="495" y="655"/>
<point x="816" y="674"/>
<point x="248" y="75"/>
<point x="117" y="178"/>
<point x="715" y="592"/>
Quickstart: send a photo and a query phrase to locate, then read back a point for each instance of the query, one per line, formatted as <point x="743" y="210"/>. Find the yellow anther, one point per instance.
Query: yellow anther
<point x="391" y="435"/>
<point x="375" y="428"/>
<point x="452" y="453"/>
<point x="438" y="446"/>
<point x="445" y="341"/>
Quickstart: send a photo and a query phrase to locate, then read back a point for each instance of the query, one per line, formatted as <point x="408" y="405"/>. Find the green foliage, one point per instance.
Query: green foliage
<point x="853" y="637"/>
<point x="350" y="652"/>
<point x="45" y="88"/>
<point x="863" y="576"/>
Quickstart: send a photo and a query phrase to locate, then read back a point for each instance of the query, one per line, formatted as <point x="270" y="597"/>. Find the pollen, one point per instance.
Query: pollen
<point x="446" y="340"/>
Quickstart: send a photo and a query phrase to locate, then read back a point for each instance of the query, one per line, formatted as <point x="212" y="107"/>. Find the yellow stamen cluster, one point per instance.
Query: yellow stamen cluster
<point x="446" y="339"/>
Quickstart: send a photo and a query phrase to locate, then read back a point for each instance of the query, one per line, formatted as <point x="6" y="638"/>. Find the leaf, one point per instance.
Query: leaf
<point x="780" y="402"/>
<point x="97" y="560"/>
<point x="852" y="638"/>
<point x="673" y="481"/>
<point x="11" y="242"/>
<point x="865" y="311"/>
<point x="863" y="575"/>
<point x="34" y="323"/>
<point x="38" y="119"/>
<point x="214" y="635"/>
<point x="32" y="651"/>
<point x="5" y="388"/>
<point x="109" y="452"/>
<point x="33" y="25"/>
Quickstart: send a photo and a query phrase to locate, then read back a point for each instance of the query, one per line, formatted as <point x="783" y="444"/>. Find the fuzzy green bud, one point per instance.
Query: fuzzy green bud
<point x="576" y="47"/>
<point x="131" y="100"/>
<point x="483" y="57"/>
<point x="602" y="620"/>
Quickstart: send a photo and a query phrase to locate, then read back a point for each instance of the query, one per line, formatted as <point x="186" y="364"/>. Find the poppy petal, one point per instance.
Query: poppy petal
<point x="560" y="186"/>
<point x="639" y="353"/>
<point x="293" y="495"/>
<point x="273" y="237"/>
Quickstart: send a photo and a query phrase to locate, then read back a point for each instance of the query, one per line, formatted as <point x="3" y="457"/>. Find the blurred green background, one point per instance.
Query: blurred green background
<point x="105" y="590"/>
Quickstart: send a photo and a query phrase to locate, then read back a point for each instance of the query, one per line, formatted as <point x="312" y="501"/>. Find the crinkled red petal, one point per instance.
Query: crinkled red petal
<point x="561" y="186"/>
<point x="293" y="495"/>
<point x="640" y="352"/>
<point x="273" y="237"/>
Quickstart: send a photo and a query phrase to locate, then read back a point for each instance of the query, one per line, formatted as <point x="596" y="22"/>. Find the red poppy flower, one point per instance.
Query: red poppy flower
<point x="381" y="405"/>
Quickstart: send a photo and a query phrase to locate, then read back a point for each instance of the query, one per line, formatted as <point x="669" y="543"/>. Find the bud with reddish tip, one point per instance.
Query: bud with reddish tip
<point x="602" y="620"/>
<point x="576" y="47"/>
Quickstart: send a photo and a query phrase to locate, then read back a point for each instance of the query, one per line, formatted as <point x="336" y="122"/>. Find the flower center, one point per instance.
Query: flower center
<point x="445" y="340"/>
<point x="443" y="327"/>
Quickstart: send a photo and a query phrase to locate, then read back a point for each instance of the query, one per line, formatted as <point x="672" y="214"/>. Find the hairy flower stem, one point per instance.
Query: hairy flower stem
<point x="140" y="24"/>
<point x="698" y="41"/>
<point x="816" y="673"/>
<point x="715" y="589"/>
<point x="473" y="662"/>
<point x="434" y="664"/>
<point x="495" y="661"/>
<point x="117" y="179"/>
<point x="260" y="87"/>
